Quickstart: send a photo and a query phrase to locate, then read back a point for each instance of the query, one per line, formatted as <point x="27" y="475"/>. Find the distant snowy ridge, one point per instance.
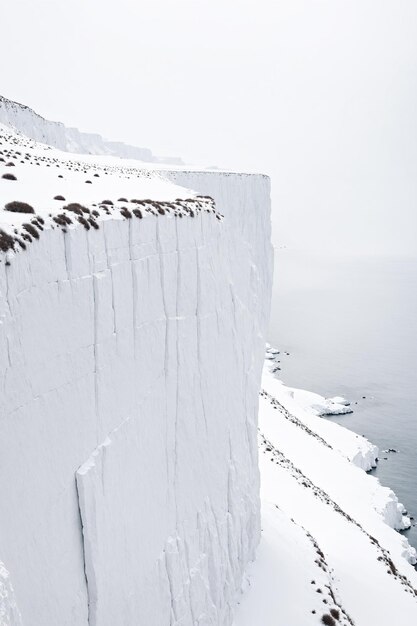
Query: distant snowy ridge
<point x="32" y="125"/>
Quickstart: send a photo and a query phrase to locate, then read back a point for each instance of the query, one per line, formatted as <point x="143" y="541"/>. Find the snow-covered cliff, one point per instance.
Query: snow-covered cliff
<point x="133" y="311"/>
<point x="132" y="329"/>
<point x="56" y="134"/>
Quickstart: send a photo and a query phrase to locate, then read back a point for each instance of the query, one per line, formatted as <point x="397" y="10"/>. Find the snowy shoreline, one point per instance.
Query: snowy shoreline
<point x="318" y="499"/>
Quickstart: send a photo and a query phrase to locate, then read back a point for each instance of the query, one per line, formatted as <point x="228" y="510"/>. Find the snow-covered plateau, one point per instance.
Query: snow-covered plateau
<point x="134" y="306"/>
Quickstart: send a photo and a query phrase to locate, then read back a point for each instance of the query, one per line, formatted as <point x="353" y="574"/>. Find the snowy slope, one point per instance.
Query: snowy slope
<point x="328" y="539"/>
<point x="23" y="119"/>
<point x="132" y="333"/>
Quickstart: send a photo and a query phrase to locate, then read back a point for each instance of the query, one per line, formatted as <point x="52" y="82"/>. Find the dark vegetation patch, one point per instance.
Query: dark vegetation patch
<point x="59" y="197"/>
<point x="93" y="223"/>
<point x="37" y="224"/>
<point x="109" y="202"/>
<point x="6" y="241"/>
<point x="84" y="222"/>
<point x="9" y="176"/>
<point x="122" y="200"/>
<point x="19" y="207"/>
<point x="32" y="230"/>
<point x="335" y="613"/>
<point x="77" y="208"/>
<point x="58" y="219"/>
<point x="138" y="213"/>
<point x="328" y="620"/>
<point x="62" y="219"/>
<point x="392" y="567"/>
<point x="126" y="213"/>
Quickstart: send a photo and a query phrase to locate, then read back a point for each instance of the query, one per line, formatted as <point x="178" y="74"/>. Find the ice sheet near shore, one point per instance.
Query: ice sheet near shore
<point x="329" y="544"/>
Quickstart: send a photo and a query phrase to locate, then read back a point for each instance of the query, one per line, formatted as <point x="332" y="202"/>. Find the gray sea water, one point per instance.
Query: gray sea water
<point x="350" y="327"/>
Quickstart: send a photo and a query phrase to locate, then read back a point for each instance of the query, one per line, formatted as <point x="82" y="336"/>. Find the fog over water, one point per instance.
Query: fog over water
<point x="350" y="326"/>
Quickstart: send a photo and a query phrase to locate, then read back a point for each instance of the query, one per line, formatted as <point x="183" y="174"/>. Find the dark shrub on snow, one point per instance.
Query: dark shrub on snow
<point x="19" y="207"/>
<point x="79" y="209"/>
<point x="32" y="230"/>
<point x="6" y="241"/>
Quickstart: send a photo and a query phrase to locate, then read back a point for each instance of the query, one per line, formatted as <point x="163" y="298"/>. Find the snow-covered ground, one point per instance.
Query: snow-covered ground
<point x="329" y="545"/>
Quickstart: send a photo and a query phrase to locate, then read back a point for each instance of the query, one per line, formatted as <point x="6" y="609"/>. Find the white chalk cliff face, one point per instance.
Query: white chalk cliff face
<point x="132" y="339"/>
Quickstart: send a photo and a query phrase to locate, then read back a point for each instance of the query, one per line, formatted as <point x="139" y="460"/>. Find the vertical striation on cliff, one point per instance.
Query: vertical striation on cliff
<point x="130" y="365"/>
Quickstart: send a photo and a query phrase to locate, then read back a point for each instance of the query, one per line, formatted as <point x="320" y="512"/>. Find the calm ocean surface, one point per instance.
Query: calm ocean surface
<point x="350" y="326"/>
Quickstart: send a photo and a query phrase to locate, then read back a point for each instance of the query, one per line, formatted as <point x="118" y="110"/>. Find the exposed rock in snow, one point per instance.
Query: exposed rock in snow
<point x="131" y="353"/>
<point x="55" y="134"/>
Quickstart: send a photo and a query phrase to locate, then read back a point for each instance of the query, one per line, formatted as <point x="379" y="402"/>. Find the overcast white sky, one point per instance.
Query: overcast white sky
<point x="320" y="94"/>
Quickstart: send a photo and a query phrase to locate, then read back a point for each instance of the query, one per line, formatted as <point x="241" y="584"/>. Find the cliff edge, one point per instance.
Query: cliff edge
<point x="133" y="311"/>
